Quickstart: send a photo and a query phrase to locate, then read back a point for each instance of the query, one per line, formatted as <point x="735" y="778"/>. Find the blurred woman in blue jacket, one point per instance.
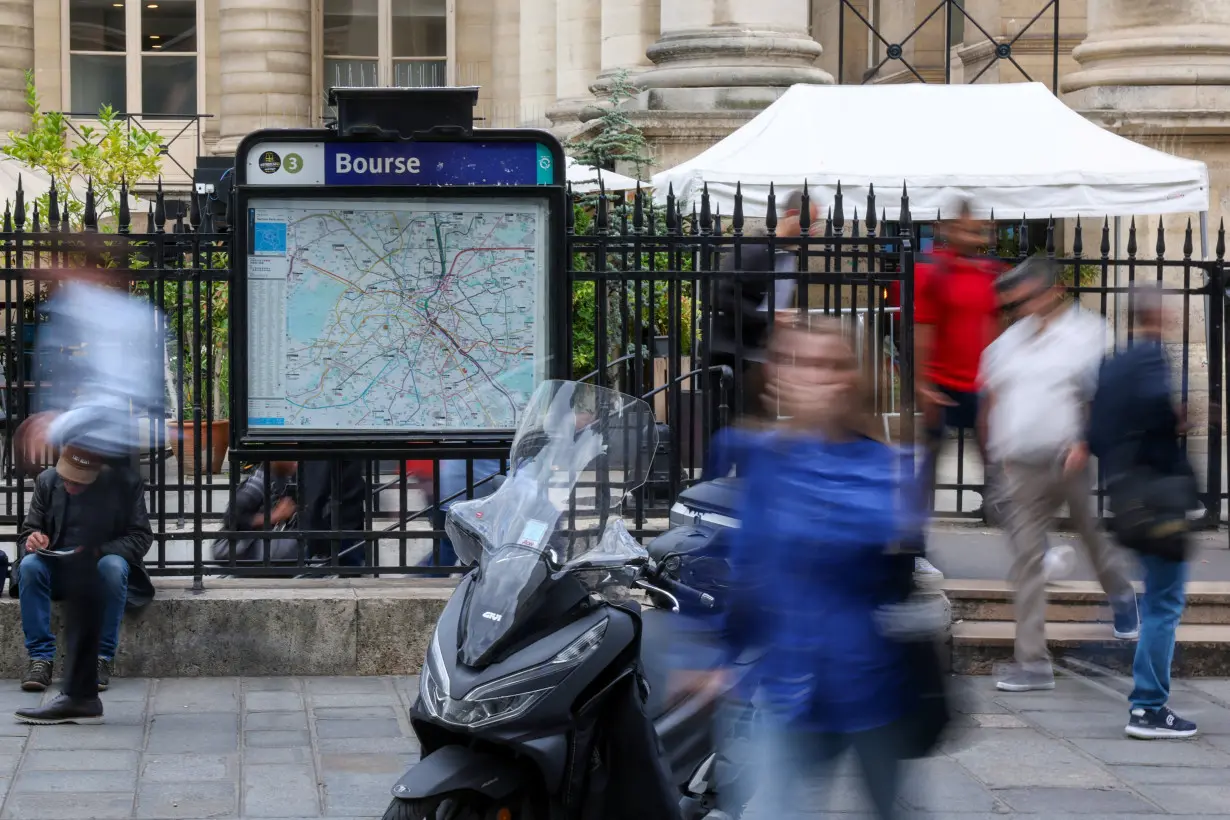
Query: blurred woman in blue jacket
<point x="824" y="504"/>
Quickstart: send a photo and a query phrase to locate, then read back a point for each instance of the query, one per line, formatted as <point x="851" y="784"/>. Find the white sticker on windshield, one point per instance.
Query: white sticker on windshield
<point x="532" y="535"/>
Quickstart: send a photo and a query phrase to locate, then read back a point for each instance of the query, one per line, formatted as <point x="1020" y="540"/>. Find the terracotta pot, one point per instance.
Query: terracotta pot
<point x="188" y="440"/>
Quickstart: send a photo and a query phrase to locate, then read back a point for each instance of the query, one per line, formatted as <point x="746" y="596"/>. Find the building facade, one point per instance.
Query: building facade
<point x="205" y="72"/>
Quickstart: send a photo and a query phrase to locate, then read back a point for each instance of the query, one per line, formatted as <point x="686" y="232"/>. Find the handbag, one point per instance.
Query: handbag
<point x="1150" y="508"/>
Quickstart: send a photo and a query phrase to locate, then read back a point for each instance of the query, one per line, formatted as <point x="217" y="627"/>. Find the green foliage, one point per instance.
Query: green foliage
<point x="615" y="138"/>
<point x="105" y="154"/>
<point x="625" y="323"/>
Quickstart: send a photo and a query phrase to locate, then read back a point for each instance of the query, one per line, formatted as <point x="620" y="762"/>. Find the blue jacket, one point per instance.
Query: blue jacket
<point x="811" y="565"/>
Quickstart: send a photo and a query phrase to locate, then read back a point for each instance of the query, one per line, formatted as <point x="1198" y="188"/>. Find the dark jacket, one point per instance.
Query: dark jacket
<point x="118" y="511"/>
<point x="737" y="301"/>
<point x="250" y="500"/>
<point x="1132" y="421"/>
<point x="316" y="486"/>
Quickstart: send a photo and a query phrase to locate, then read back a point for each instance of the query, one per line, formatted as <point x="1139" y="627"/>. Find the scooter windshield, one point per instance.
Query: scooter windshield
<point x="578" y="452"/>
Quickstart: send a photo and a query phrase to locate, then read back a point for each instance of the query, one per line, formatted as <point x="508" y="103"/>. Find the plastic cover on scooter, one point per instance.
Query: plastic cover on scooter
<point x="579" y="450"/>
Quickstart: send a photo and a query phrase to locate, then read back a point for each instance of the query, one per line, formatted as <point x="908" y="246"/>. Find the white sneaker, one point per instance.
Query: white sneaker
<point x="926" y="575"/>
<point x="1058" y="562"/>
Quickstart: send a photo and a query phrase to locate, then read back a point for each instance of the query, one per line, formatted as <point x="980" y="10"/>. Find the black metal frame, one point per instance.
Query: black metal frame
<point x="292" y="444"/>
<point x="896" y="50"/>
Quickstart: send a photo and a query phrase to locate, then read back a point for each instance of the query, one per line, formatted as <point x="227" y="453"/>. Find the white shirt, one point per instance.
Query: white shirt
<point x="1042" y="378"/>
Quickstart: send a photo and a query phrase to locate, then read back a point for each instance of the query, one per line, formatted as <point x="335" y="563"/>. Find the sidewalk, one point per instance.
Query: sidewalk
<point x="332" y="747"/>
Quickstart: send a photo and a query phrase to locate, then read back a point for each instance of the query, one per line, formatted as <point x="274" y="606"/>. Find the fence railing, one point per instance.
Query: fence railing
<point x="667" y="303"/>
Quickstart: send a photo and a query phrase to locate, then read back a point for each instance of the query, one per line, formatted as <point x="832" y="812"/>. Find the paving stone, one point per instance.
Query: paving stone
<point x="360" y="763"/>
<point x="202" y="733"/>
<point x="350" y="794"/>
<point x="355" y="713"/>
<point x="261" y="755"/>
<point x="187" y="768"/>
<point x="367" y="745"/>
<point x="271" y="684"/>
<point x="90" y="781"/>
<point x="997" y="721"/>
<point x="283" y="721"/>
<point x="298" y="737"/>
<point x="123" y="690"/>
<point x="347" y="686"/>
<point x="87" y="737"/>
<point x="8" y="764"/>
<point x="295" y="795"/>
<point x="1169" y="775"/>
<point x="76" y="761"/>
<point x="12" y="745"/>
<point x="1135" y="752"/>
<point x="196" y="695"/>
<point x="357" y="728"/>
<point x="68" y="805"/>
<point x="278" y="701"/>
<point x="1190" y="799"/>
<point x="1219" y="689"/>
<point x="942" y="785"/>
<point x="1020" y="758"/>
<point x="1054" y="702"/>
<point x="373" y="699"/>
<point x="193" y="801"/>
<point x="1075" y="801"/>
<point x="1076" y="724"/>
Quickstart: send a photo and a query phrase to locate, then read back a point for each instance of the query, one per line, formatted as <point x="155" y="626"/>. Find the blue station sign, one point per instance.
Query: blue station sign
<point x="428" y="163"/>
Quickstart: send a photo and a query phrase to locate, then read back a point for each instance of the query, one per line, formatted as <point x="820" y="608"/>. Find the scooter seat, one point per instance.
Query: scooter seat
<point x="673" y="642"/>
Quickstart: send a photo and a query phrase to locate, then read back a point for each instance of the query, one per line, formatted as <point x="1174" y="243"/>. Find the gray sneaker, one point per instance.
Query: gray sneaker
<point x="1023" y="680"/>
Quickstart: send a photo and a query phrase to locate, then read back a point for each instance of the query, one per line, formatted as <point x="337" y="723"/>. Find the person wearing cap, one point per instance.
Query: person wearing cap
<point x="1039" y="379"/>
<point x="84" y="539"/>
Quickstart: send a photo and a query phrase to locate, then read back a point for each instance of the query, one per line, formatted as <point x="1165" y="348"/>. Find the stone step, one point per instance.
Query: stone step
<point x="981" y="647"/>
<point x="1208" y="602"/>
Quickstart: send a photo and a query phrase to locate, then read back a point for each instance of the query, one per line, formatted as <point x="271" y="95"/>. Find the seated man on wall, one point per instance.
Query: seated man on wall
<point x="81" y="504"/>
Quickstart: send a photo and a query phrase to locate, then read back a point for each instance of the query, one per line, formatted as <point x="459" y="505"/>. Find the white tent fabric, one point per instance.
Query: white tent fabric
<point x="584" y="179"/>
<point x="35" y="183"/>
<point x="1012" y="148"/>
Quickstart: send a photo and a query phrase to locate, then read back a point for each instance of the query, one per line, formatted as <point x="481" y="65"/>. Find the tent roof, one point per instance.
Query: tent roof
<point x="1012" y="148"/>
<point x="35" y="183"/>
<point x="584" y="179"/>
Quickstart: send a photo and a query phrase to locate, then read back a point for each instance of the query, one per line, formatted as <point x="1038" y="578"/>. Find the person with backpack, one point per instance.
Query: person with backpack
<point x="247" y="512"/>
<point x="1135" y="431"/>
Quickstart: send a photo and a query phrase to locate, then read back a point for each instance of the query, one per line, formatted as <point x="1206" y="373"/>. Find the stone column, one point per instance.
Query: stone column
<point x="578" y="55"/>
<point x="629" y="29"/>
<point x="505" y="64"/>
<point x="266" y="55"/>
<point x="1158" y="72"/>
<point x="537" y="60"/>
<point x="16" y="58"/>
<point x="730" y="54"/>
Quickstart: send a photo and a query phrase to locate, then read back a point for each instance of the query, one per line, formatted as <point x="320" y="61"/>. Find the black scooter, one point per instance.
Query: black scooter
<point x="544" y="694"/>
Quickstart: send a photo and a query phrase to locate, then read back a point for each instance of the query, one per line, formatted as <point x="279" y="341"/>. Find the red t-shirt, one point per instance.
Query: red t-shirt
<point x="956" y="295"/>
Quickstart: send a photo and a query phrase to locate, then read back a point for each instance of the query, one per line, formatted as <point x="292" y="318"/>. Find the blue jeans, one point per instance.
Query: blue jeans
<point x="1161" y="608"/>
<point x="453" y="481"/>
<point x="39" y="584"/>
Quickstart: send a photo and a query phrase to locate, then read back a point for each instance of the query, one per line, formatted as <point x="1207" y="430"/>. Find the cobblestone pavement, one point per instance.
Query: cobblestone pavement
<point x="332" y="747"/>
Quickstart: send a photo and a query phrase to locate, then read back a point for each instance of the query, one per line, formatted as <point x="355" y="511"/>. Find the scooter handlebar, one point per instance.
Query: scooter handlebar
<point x="684" y="593"/>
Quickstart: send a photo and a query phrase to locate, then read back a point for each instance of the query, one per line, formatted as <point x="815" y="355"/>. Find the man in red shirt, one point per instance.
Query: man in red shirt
<point x="956" y="315"/>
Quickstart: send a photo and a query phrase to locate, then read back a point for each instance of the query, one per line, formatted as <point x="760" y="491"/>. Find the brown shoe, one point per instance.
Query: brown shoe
<point x="38" y="675"/>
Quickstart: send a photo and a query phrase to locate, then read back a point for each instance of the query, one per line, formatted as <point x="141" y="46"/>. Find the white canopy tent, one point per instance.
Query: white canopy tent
<point x="584" y="179"/>
<point x="35" y="183"/>
<point x="1012" y="148"/>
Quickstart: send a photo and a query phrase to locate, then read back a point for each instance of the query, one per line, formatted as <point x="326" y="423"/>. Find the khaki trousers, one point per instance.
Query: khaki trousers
<point x="1036" y="493"/>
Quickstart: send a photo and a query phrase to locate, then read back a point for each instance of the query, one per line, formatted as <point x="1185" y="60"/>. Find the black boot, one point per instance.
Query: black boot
<point x="63" y="710"/>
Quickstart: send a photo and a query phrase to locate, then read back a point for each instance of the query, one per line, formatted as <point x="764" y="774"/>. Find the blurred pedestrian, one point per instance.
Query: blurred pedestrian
<point x="98" y="372"/>
<point x="1135" y="431"/>
<point x="956" y="316"/>
<point x="814" y="565"/>
<point x="1039" y="377"/>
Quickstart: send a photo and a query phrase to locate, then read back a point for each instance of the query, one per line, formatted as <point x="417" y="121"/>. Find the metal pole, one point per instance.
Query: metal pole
<point x="1118" y="282"/>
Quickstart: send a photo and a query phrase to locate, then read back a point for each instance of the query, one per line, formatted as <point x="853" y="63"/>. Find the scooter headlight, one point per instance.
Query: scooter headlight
<point x="498" y="700"/>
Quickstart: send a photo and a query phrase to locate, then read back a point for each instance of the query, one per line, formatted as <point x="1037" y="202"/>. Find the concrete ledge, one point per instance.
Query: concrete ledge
<point x="263" y="628"/>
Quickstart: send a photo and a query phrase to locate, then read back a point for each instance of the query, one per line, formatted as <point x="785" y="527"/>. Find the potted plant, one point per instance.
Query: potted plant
<point x="199" y="428"/>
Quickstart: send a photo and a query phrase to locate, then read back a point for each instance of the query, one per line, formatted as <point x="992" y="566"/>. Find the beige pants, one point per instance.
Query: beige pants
<point x="1036" y="493"/>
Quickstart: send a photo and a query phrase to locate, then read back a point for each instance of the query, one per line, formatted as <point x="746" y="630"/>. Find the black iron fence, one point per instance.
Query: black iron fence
<point x="669" y="302"/>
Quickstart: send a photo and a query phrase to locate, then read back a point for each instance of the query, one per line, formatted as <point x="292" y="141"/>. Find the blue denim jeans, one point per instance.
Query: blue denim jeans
<point x="789" y="762"/>
<point x="1161" y="608"/>
<point x="39" y="584"/>
<point x="453" y="481"/>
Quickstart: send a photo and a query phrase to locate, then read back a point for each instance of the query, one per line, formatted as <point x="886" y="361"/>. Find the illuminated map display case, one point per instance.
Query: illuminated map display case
<point x="394" y="291"/>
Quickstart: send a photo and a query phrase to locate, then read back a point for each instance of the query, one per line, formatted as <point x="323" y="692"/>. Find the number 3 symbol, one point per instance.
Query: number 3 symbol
<point x="293" y="163"/>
